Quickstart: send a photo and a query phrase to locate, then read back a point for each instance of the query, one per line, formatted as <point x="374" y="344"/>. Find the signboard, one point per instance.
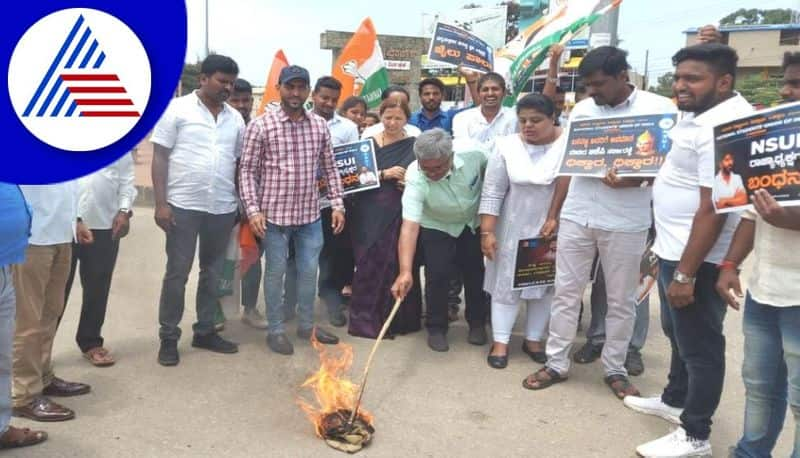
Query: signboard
<point x="634" y="145"/>
<point x="487" y="23"/>
<point x="451" y="45"/>
<point x="760" y="151"/>
<point x="397" y="64"/>
<point x="357" y="168"/>
<point x="535" y="263"/>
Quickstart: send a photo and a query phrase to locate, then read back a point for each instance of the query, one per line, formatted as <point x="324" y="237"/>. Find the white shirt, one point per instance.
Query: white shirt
<point x="375" y="129"/>
<point x="105" y="192"/>
<point x="727" y="189"/>
<point x="54" y="212"/>
<point x="473" y="125"/>
<point x="367" y="178"/>
<point x="775" y="278"/>
<point x="342" y="130"/>
<point x="591" y="203"/>
<point x="689" y="165"/>
<point x="202" y="163"/>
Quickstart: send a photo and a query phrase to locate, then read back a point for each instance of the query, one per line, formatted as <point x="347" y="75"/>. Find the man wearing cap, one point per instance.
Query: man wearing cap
<point x="278" y="187"/>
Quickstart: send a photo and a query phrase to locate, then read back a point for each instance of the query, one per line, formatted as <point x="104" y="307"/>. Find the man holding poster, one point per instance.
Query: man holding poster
<point x="609" y="214"/>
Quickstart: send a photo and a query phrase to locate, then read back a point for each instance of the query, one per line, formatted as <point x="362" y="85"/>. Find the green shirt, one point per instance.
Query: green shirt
<point x="451" y="203"/>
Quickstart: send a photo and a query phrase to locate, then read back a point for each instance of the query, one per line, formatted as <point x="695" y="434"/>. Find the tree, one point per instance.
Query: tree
<point x="759" y="91"/>
<point x="190" y="77"/>
<point x="753" y="16"/>
<point x="663" y="85"/>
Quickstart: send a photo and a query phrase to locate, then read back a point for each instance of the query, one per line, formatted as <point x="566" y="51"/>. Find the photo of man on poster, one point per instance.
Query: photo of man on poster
<point x="728" y="186"/>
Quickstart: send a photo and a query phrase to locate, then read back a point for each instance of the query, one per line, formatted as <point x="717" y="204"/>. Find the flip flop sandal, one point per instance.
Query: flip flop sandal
<point x="99" y="357"/>
<point x="541" y="383"/>
<point x="27" y="437"/>
<point x="621" y="386"/>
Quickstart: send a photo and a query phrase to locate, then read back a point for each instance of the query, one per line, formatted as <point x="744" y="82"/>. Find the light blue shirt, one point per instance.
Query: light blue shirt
<point x="15" y="225"/>
<point x="591" y="203"/>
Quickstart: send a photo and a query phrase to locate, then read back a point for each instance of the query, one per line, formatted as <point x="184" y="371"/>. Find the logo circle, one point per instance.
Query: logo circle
<point x="79" y="79"/>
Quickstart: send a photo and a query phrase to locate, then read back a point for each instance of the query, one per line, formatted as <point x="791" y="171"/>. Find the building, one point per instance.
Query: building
<point x="760" y="47"/>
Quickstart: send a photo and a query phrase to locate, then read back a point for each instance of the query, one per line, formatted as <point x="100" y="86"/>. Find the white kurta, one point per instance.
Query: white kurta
<point x="518" y="189"/>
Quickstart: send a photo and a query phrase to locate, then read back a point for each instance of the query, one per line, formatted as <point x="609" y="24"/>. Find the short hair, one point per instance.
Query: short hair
<point x="217" y="63"/>
<point x="433" y="144"/>
<point x="492" y="76"/>
<point x="431" y="82"/>
<point x="352" y="101"/>
<point x="394" y="88"/>
<point x="242" y="85"/>
<point x="790" y="58"/>
<point x="328" y="82"/>
<point x="538" y="102"/>
<point x="395" y="103"/>
<point x="373" y="115"/>
<point x="721" y="58"/>
<point x="609" y="59"/>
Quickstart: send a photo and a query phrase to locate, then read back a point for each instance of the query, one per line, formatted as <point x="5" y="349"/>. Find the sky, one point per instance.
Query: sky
<point x="251" y="31"/>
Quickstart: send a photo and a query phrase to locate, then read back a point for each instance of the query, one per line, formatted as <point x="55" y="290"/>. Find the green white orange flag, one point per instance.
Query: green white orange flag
<point x="270" y="88"/>
<point x="360" y="67"/>
<point x="528" y="50"/>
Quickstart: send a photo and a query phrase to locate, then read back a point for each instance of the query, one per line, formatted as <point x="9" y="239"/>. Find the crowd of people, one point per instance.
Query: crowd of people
<point x="457" y="190"/>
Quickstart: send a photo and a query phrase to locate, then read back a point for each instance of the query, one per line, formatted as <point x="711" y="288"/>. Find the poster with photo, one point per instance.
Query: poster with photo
<point x="636" y="145"/>
<point x="759" y="151"/>
<point x="535" y="263"/>
<point x="357" y="168"/>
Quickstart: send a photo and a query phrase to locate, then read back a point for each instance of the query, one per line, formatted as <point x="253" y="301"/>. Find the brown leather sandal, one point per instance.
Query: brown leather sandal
<point x="99" y="357"/>
<point x="21" y="437"/>
<point x="543" y="378"/>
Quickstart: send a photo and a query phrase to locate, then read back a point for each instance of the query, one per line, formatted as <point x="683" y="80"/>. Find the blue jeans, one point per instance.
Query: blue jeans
<point x="307" y="242"/>
<point x="8" y="310"/>
<point x="697" y="366"/>
<point x="771" y="370"/>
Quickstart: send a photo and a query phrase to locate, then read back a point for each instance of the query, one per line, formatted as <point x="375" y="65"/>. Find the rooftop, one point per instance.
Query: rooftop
<point x="749" y="28"/>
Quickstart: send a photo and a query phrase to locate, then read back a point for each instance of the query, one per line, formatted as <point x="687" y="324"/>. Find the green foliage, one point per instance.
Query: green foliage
<point x="663" y="85"/>
<point x="190" y="78"/>
<point x="753" y="16"/>
<point x="759" y="91"/>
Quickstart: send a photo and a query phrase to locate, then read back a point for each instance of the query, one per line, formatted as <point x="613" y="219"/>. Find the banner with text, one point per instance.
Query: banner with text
<point x="635" y="145"/>
<point x="535" y="263"/>
<point x="357" y="168"/>
<point x="451" y="45"/>
<point x="760" y="151"/>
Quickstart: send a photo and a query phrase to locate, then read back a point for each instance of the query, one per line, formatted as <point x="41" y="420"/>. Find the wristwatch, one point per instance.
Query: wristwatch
<point x="682" y="278"/>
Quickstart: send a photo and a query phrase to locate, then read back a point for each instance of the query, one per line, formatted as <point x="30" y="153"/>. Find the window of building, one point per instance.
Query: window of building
<point x="790" y="37"/>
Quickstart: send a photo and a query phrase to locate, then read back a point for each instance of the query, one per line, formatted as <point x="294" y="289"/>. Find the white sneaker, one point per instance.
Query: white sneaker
<point x="674" y="445"/>
<point x="251" y="317"/>
<point x="654" y="406"/>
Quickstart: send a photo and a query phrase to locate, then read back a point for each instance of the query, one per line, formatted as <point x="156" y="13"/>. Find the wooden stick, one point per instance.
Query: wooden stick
<point x="385" y="328"/>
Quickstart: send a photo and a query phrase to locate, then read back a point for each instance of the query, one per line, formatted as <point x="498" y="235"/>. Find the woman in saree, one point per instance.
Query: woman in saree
<point x="375" y="230"/>
<point x="521" y="199"/>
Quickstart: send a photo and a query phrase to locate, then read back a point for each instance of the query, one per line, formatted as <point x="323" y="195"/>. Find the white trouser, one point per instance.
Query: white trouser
<point x="620" y="254"/>
<point x="505" y="315"/>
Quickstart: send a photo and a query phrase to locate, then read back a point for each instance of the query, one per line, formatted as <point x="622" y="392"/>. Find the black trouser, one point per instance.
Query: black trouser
<point x="97" y="262"/>
<point x="335" y="264"/>
<point x="213" y="231"/>
<point x="697" y="368"/>
<point x="446" y="257"/>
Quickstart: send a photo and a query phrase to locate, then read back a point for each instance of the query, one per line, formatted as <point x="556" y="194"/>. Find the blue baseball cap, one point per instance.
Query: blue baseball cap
<point x="294" y="72"/>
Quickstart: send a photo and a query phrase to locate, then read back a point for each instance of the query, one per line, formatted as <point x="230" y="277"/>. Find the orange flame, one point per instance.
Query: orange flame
<point x="332" y="390"/>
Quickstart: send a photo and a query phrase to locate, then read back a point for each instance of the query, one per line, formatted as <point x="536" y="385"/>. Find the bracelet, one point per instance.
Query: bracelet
<point x="486" y="233"/>
<point x="472" y="81"/>
<point x="728" y="264"/>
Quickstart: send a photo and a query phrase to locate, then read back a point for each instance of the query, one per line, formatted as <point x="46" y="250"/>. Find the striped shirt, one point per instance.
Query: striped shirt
<point x="279" y="168"/>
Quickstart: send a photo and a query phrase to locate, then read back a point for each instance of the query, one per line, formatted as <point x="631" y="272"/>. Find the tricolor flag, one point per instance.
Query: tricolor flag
<point x="360" y="67"/>
<point x="558" y="26"/>
<point x="271" y="86"/>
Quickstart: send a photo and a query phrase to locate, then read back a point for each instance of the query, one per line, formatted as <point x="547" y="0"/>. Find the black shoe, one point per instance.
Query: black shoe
<point x="633" y="362"/>
<point x="437" y="341"/>
<point x="280" y="344"/>
<point x="337" y="318"/>
<point x="168" y="353"/>
<point x="496" y="361"/>
<point x="477" y="335"/>
<point x="322" y="335"/>
<point x="588" y="353"/>
<point x="215" y="343"/>
<point x="538" y="356"/>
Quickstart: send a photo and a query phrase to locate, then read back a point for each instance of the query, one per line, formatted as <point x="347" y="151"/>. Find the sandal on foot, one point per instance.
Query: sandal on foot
<point x="21" y="437"/>
<point x="543" y="378"/>
<point x="99" y="357"/>
<point x="621" y="386"/>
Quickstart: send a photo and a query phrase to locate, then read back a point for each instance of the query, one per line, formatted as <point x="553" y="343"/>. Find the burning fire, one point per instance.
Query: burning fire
<point x="335" y="397"/>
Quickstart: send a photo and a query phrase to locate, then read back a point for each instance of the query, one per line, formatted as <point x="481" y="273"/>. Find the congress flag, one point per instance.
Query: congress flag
<point x="270" y="88"/>
<point x="360" y="67"/>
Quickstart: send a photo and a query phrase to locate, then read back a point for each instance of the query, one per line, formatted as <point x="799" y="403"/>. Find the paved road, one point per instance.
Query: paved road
<point x="426" y="404"/>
